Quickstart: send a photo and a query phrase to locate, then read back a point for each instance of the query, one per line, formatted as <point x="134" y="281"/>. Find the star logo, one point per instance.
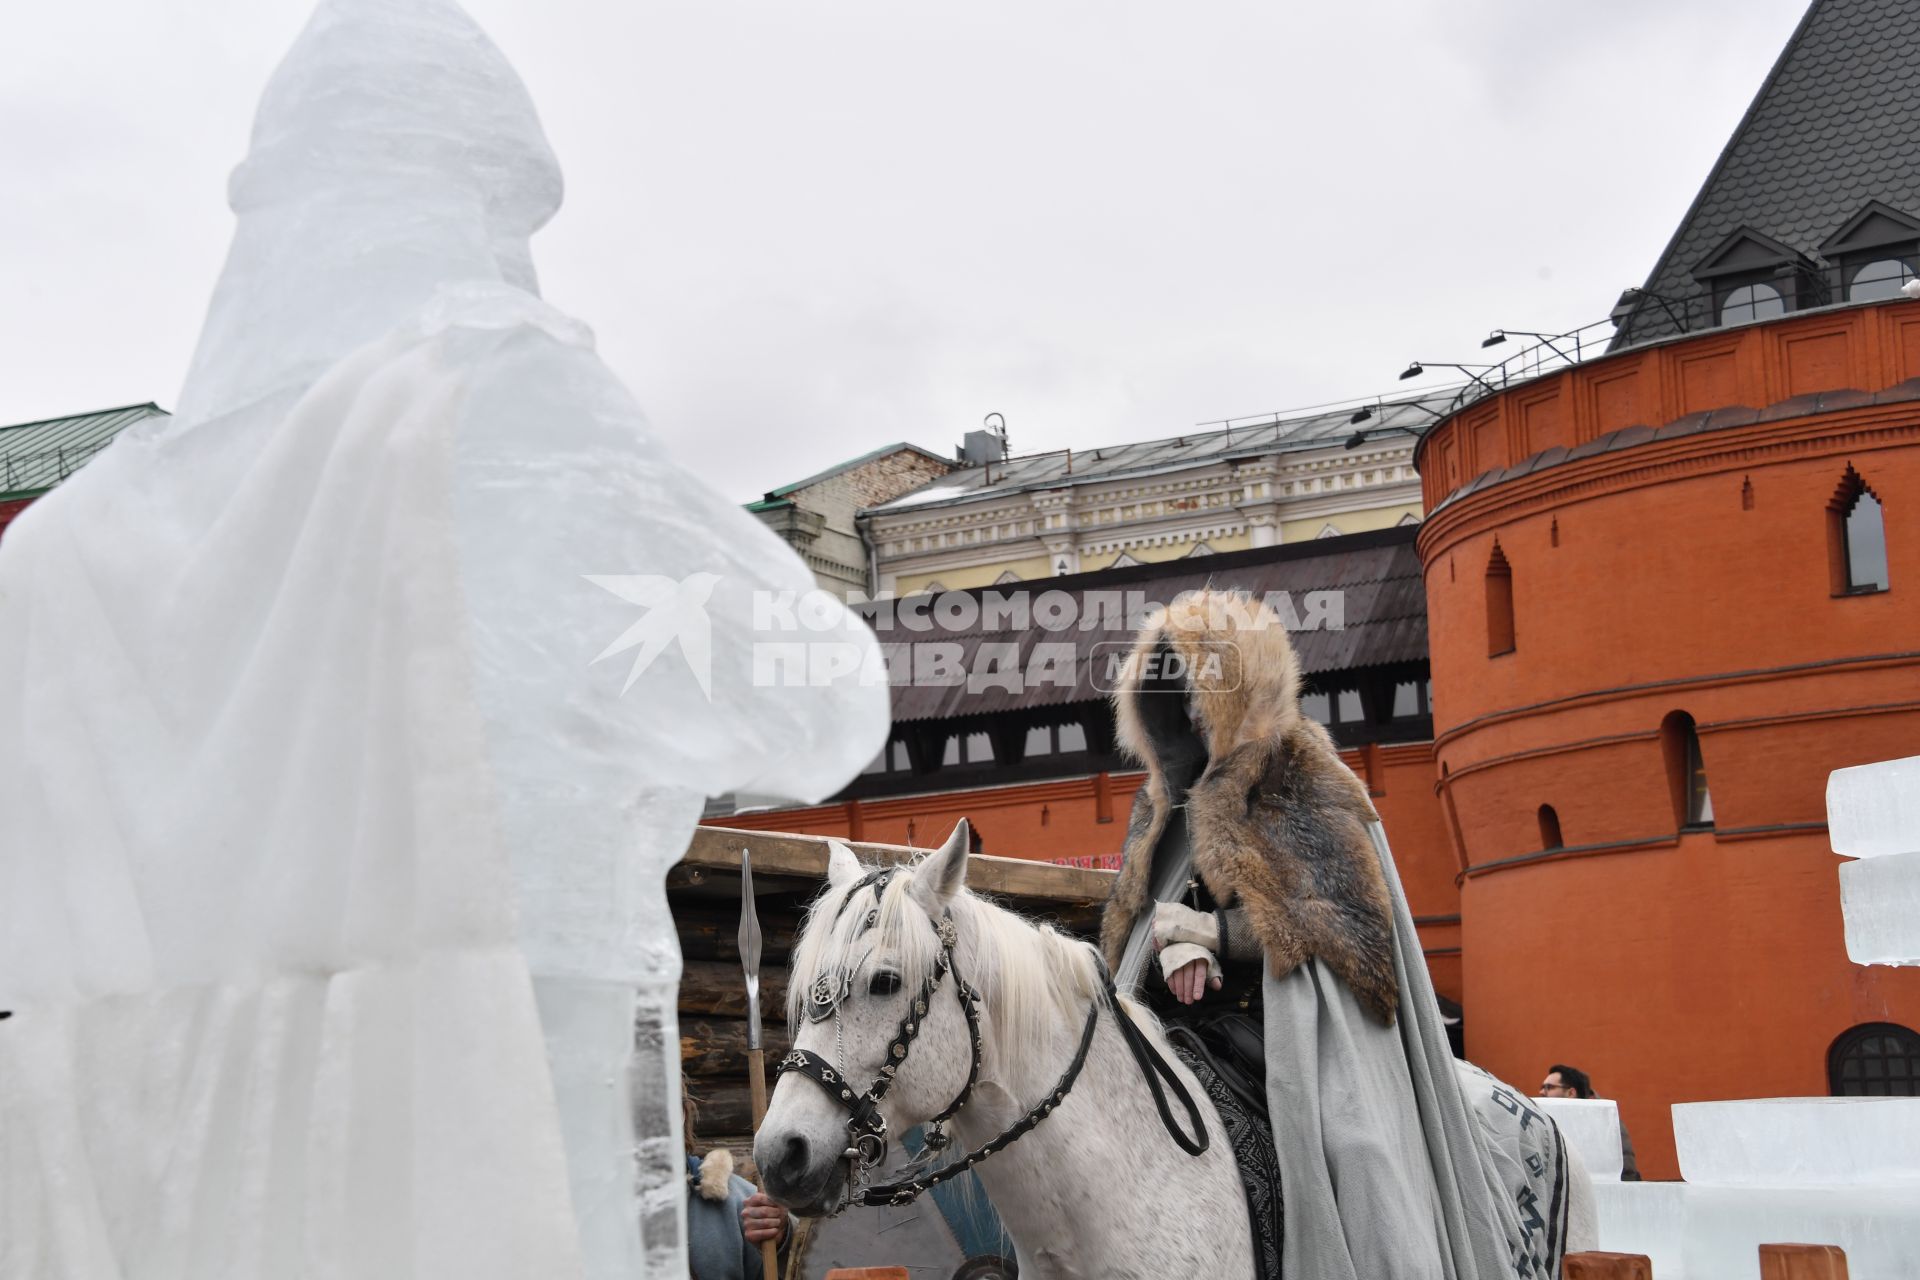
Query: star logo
<point x="676" y="611"/>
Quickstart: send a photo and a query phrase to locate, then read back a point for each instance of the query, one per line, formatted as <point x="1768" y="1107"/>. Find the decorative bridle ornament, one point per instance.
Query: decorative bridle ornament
<point x="867" y="1128"/>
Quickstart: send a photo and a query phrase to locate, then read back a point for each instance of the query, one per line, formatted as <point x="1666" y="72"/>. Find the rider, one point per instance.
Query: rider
<point x="1293" y="915"/>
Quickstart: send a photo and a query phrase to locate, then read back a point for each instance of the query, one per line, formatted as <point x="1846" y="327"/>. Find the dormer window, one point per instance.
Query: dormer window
<point x="1877" y="250"/>
<point x="1751" y="276"/>
<point x="1756" y="301"/>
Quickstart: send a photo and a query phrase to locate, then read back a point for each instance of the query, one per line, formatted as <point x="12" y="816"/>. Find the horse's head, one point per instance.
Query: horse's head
<point x="878" y="1022"/>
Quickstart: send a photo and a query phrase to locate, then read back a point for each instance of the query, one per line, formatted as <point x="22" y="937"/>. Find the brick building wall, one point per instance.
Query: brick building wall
<point x="1665" y="527"/>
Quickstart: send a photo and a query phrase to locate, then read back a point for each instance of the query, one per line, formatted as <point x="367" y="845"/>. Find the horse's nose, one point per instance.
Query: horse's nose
<point x="792" y="1161"/>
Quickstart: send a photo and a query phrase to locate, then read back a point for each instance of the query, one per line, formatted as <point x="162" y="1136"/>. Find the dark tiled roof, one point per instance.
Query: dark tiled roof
<point x="1836" y="124"/>
<point x="1378" y="575"/>
<point x="36" y="456"/>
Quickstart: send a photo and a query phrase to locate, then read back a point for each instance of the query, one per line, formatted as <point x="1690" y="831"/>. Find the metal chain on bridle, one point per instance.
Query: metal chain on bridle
<point x="867" y="1128"/>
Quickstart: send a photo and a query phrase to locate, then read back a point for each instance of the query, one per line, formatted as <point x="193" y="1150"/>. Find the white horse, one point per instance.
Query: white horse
<point x="1098" y="1187"/>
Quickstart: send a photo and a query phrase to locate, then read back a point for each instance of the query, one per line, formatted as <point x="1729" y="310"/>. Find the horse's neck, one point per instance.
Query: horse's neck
<point x="1075" y="1192"/>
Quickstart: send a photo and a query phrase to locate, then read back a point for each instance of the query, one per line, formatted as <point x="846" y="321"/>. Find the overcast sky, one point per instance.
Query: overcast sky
<point x="803" y="230"/>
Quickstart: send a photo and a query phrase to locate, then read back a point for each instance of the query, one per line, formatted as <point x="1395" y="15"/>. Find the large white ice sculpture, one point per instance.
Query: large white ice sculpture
<point x="330" y="860"/>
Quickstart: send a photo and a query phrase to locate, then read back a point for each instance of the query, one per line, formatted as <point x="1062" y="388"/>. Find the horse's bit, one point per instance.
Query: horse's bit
<point x="867" y="1128"/>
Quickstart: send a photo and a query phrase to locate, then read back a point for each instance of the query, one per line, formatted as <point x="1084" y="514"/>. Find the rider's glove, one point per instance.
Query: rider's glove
<point x="1176" y="922"/>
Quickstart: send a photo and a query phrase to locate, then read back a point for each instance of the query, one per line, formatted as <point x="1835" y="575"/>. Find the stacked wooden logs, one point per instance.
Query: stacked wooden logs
<point x="713" y="1014"/>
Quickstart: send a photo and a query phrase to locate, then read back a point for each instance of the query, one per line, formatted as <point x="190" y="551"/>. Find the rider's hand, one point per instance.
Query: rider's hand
<point x="761" y="1219"/>
<point x="1189" y="971"/>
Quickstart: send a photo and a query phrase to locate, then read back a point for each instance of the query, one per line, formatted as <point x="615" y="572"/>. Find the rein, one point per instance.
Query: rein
<point x="867" y="1128"/>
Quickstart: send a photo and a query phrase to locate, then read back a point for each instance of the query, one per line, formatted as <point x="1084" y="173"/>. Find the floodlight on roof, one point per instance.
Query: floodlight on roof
<point x="1417" y="368"/>
<point x="1360" y="416"/>
<point x="1355" y="440"/>
<point x="1494" y="339"/>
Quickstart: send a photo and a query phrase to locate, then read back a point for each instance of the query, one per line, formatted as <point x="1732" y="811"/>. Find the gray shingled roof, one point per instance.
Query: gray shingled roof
<point x="36" y="456"/>
<point x="1836" y="124"/>
<point x="1386" y="419"/>
<point x="1376" y="574"/>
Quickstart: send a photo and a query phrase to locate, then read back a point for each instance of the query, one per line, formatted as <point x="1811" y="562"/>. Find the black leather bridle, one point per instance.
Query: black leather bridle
<point x="867" y="1128"/>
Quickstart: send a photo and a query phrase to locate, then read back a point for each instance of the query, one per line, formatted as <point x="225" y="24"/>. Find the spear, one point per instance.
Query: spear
<point x="756" y="1056"/>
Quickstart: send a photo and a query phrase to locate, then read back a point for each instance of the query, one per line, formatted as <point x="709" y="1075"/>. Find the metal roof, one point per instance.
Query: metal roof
<point x="1326" y="429"/>
<point x="1378" y="575"/>
<point x="1835" y="125"/>
<point x="36" y="456"/>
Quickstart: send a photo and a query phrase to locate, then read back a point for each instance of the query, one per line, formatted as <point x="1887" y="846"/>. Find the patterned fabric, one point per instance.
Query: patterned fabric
<point x="1252" y="1139"/>
<point x="1527" y="1159"/>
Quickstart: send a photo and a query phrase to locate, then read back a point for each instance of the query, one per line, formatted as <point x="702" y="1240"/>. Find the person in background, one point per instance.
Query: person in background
<point x="1571" y="1082"/>
<point x="727" y="1220"/>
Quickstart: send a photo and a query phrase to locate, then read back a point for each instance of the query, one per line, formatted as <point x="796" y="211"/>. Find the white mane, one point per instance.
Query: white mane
<point x="1029" y="975"/>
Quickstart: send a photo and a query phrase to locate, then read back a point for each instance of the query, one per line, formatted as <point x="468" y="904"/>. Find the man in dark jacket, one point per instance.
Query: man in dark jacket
<point x="1572" y="1082"/>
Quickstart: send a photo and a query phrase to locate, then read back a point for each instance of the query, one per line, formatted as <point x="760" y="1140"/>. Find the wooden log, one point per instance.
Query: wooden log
<point x="868" y="1273"/>
<point x="1803" y="1262"/>
<point x="724" y="1105"/>
<point x="712" y="932"/>
<point x="1606" y="1266"/>
<point x="716" y="988"/>
<point x="806" y="856"/>
<point x="718" y="1046"/>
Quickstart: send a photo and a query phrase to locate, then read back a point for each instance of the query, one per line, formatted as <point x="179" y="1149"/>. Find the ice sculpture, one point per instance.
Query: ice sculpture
<point x="331" y="911"/>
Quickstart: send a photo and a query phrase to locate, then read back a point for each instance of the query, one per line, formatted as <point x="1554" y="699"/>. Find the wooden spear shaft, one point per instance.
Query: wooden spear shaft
<point x="756" y="1055"/>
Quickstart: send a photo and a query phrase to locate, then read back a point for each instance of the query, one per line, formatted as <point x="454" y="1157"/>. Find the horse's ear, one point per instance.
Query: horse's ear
<point x="842" y="866"/>
<point x="942" y="872"/>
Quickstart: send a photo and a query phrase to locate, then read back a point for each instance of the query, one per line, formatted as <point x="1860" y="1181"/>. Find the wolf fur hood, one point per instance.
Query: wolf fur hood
<point x="1278" y="823"/>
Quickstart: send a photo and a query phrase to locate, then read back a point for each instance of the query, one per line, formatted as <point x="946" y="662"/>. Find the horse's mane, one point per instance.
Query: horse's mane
<point x="1030" y="975"/>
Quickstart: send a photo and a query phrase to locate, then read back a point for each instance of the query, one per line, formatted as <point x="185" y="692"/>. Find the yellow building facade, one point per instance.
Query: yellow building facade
<point x="1028" y="518"/>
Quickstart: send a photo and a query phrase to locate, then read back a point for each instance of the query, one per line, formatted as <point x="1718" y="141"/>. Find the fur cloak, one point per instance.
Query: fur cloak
<point x="1277" y="821"/>
<point x="1396" y="1161"/>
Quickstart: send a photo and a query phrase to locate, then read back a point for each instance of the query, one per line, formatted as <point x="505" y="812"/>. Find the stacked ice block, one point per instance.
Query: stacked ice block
<point x="1842" y="1171"/>
<point x="1591" y="1126"/>
<point x="1873" y="816"/>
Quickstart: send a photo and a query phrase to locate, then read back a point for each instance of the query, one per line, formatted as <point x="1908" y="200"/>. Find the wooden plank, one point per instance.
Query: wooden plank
<point x="717" y="988"/>
<point x="781" y="854"/>
<point x="1802" y="1262"/>
<point x="1606" y="1266"/>
<point x="712" y="932"/>
<point x="718" y="1046"/>
<point x="724" y="1105"/>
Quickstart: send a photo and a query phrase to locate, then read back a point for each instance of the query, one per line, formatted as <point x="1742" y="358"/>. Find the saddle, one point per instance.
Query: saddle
<point x="1231" y="1044"/>
<point x="1225" y="1048"/>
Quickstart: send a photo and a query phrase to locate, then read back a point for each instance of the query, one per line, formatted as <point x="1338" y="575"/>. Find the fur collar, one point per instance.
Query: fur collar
<point x="716" y="1175"/>
<point x="1278" y="822"/>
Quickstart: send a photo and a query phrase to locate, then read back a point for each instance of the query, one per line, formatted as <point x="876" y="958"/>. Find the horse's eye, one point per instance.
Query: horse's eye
<point x="883" y="984"/>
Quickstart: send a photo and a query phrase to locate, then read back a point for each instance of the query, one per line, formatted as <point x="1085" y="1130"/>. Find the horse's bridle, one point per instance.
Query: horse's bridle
<point x="867" y="1128"/>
